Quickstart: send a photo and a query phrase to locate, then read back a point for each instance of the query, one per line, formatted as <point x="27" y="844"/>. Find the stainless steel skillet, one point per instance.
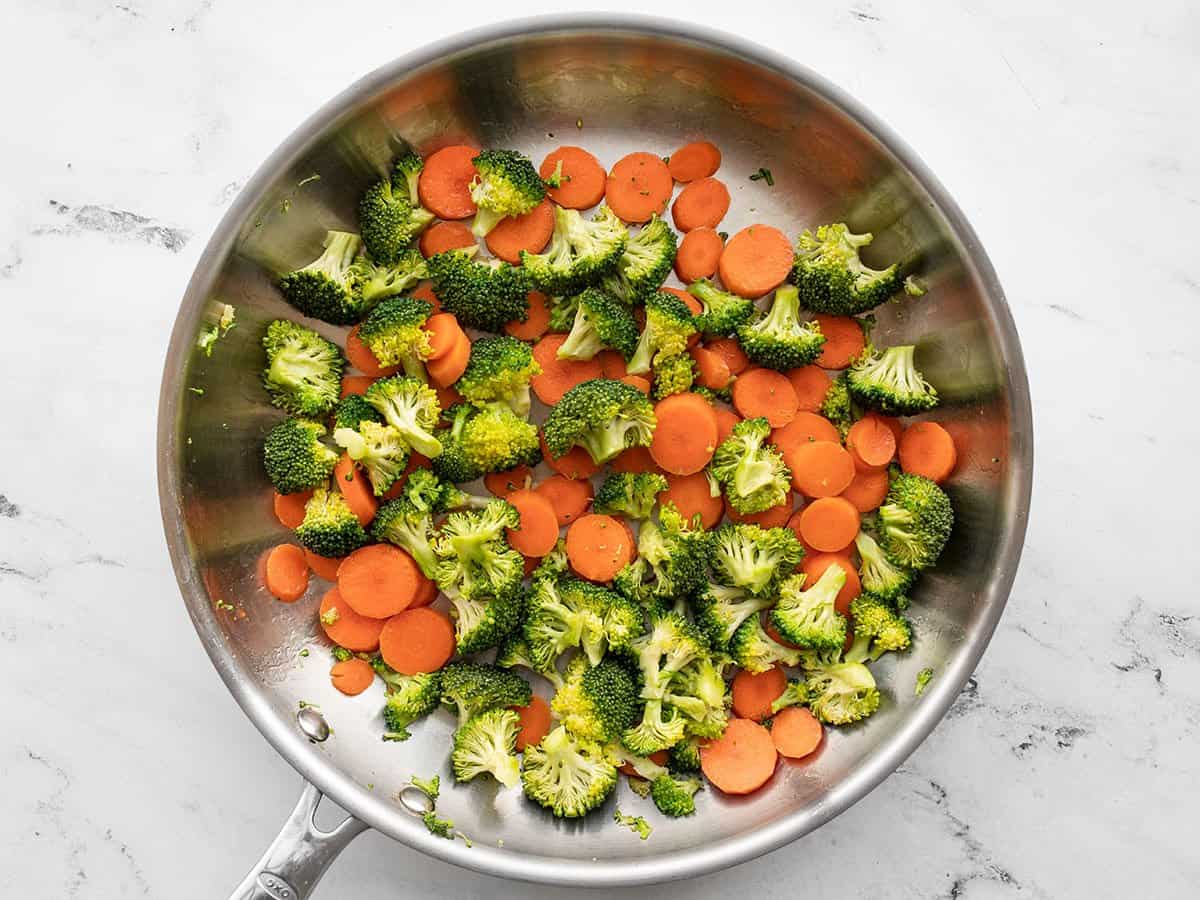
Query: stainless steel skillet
<point x="612" y="84"/>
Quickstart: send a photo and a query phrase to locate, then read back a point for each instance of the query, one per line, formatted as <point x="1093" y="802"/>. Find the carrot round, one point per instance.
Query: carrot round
<point x="740" y="761"/>
<point x="814" y="567"/>
<point x="359" y="355"/>
<point x="638" y="187"/>
<point x="559" y="375"/>
<point x="686" y="434"/>
<point x="569" y="497"/>
<point x="424" y="291"/>
<point x="345" y="627"/>
<point x="712" y="370"/>
<point x="352" y="676"/>
<point x="796" y="732"/>
<point x="536" y="323"/>
<point x="698" y="254"/>
<point x="820" y="468"/>
<point x="598" y="547"/>
<point x="534" y="720"/>
<point x="811" y="385"/>
<point x="575" y="463"/>
<point x="868" y="490"/>
<point x="766" y="393"/>
<point x="829" y="524"/>
<point x="538" y="532"/>
<point x="443" y="236"/>
<point x="702" y="204"/>
<point x="844" y="341"/>
<point x="448" y="369"/>
<point x="871" y="442"/>
<point x="417" y="640"/>
<point x="530" y="231"/>
<point x="355" y="384"/>
<point x="755" y="261"/>
<point x="698" y="159"/>
<point x="289" y="508"/>
<point x="581" y="177"/>
<point x="753" y="694"/>
<point x="634" y="459"/>
<point x="379" y="580"/>
<point x="444" y="186"/>
<point x="612" y="364"/>
<point x="444" y="333"/>
<point x="357" y="491"/>
<point x="926" y="448"/>
<point x="287" y="573"/>
<point x="804" y="429"/>
<point x="773" y="517"/>
<point x="426" y="593"/>
<point x="324" y="567"/>
<point x="726" y="420"/>
<point x="692" y="496"/>
<point x="504" y="483"/>
<point x="637" y="381"/>
<point x="730" y="351"/>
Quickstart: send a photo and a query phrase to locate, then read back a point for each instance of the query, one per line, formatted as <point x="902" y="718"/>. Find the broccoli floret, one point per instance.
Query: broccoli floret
<point x="481" y="623"/>
<point x="482" y="439"/>
<point x="756" y="651"/>
<point x="439" y="827"/>
<point x="513" y="652"/>
<point x="879" y="575"/>
<point x="380" y="449"/>
<point x="779" y="340"/>
<point x="669" y="324"/>
<point x="923" y="678"/>
<point x="720" y="609"/>
<point x="554" y="565"/>
<point x="754" y="558"/>
<point x="836" y="405"/>
<point x="645" y="263"/>
<point x="877" y="629"/>
<point x="674" y="796"/>
<point x="637" y="824"/>
<point x="795" y="694"/>
<point x="915" y="522"/>
<point x="600" y="321"/>
<point x="631" y="494"/>
<point x="685" y="756"/>
<point x="475" y="560"/>
<point x="499" y="370"/>
<point x="580" y="252"/>
<point x="562" y="313"/>
<point x="598" y="702"/>
<point x="635" y="582"/>
<point x="328" y="288"/>
<point x="390" y="214"/>
<point x="304" y="371"/>
<point x="833" y="279"/>
<point x="603" y="416"/>
<point x="505" y="185"/>
<point x="890" y="382"/>
<point x="808" y="618"/>
<point x="842" y="693"/>
<point x="751" y="471"/>
<point x="410" y="406"/>
<point x="483" y="295"/>
<point x="375" y="281"/>
<point x="568" y="776"/>
<point x="574" y="613"/>
<point x="352" y="410"/>
<point x="675" y="555"/>
<point x="408" y="523"/>
<point x="670" y="645"/>
<point x="295" y="458"/>
<point x="487" y="743"/>
<point x="394" y="332"/>
<point x="722" y="313"/>
<point x="698" y="691"/>
<point x="430" y="787"/>
<point x="409" y="698"/>
<point x="673" y="375"/>
<point x="330" y="527"/>
<point x="472" y="688"/>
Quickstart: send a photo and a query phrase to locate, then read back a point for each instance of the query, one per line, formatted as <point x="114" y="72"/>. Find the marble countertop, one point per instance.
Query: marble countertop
<point x="1067" y="132"/>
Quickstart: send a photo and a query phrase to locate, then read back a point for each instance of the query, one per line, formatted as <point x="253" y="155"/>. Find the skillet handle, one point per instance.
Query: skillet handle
<point x="299" y="855"/>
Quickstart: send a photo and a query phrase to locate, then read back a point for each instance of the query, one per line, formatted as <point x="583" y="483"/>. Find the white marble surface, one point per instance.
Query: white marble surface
<point x="1068" y="133"/>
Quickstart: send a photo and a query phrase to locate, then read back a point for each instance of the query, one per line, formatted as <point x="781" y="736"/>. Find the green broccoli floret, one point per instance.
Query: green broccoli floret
<point x="645" y="263"/>
<point x="483" y="295"/>
<point x="842" y="693"/>
<point x="407" y="521"/>
<point x="670" y="644"/>
<point x="673" y="375"/>
<point x="475" y="560"/>
<point x="380" y="449"/>
<point x="304" y="371"/>
<point x="499" y="370"/>
<point x="600" y="321"/>
<point x="698" y="691"/>
<point x="410" y="406"/>
<point x="439" y="827"/>
<point x="675" y="554"/>
<point x="394" y="332"/>
<point x="554" y="565"/>
<point x="352" y="410"/>
<point x="877" y="629"/>
<point x="487" y="743"/>
<point x="836" y="405"/>
<point x="330" y="527"/>
<point x="754" y="558"/>
<point x="795" y="694"/>
<point x="375" y="281"/>
<point x="513" y="652"/>
<point x="562" y="313"/>
<point x="580" y="252"/>
<point x="751" y="470"/>
<point x="472" y="688"/>
<point x="637" y="824"/>
<point x="568" y="776"/>
<point x="631" y="494"/>
<point x="598" y="702"/>
<point x="295" y="458"/>
<point x="674" y="796"/>
<point x="779" y="340"/>
<point x="669" y="324"/>
<point x="505" y="185"/>
<point x="923" y="678"/>
<point x="482" y="439"/>
<point x="603" y="416"/>
<point x="890" y="382"/>
<point x="390" y="214"/>
<point x="635" y="582"/>
<point x="328" y="288"/>
<point x="720" y="610"/>
<point x="879" y="575"/>
<point x="915" y="522"/>
<point x="756" y="651"/>
<point x="722" y="313"/>
<point x="833" y="279"/>
<point x="409" y="697"/>
<point x="808" y="618"/>
<point x="685" y="756"/>
<point x="574" y="613"/>
<point x="430" y="787"/>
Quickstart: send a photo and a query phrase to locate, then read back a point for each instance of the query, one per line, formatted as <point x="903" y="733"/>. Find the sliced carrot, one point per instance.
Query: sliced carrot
<point x="598" y="547"/>
<point x="766" y="393"/>
<point x="444" y="333"/>
<point x="753" y="694"/>
<point x="871" y="442"/>
<point x="804" y="429"/>
<point x="829" y="524"/>
<point x="730" y="351"/>
<point x="569" y="497"/>
<point x="581" y="177"/>
<point x="814" y="567"/>
<point x="636" y="381"/>
<point x="444" y="186"/>
<point x="698" y="159"/>
<point x="820" y="468"/>
<point x="426" y="593"/>
<point x="559" y="375"/>
<point x="796" y="732"/>
<point x="534" y="718"/>
<point x="345" y="627"/>
<point x="698" y="254"/>
<point x="538" y="532"/>
<point x="324" y="567"/>
<point x="686" y="434"/>
<point x="417" y="640"/>
<point x="692" y="496"/>
<point x="504" y="483"/>
<point x="844" y="341"/>
<point x="424" y="291"/>
<point x="868" y="490"/>
<point x="536" y="323"/>
<point x="355" y="384"/>
<point x="612" y="364"/>
<point x="755" y="261"/>
<point x="359" y="355"/>
<point x="773" y="517"/>
<point x="926" y="448"/>
<point x="289" y="508"/>
<point x="443" y="236"/>
<point x="635" y="459"/>
<point x="638" y="187"/>
<point x="530" y="231"/>
<point x="658" y="757"/>
<point x="726" y="420"/>
<point x="287" y="573"/>
<point x="575" y="463"/>
<point x="702" y="204"/>
<point x="447" y="370"/>
<point x="712" y="370"/>
<point x="893" y="423"/>
<point x="352" y="676"/>
<point x="740" y="761"/>
<point x="448" y="396"/>
<point x="357" y="491"/>
<point x="379" y="580"/>
<point x="811" y="384"/>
